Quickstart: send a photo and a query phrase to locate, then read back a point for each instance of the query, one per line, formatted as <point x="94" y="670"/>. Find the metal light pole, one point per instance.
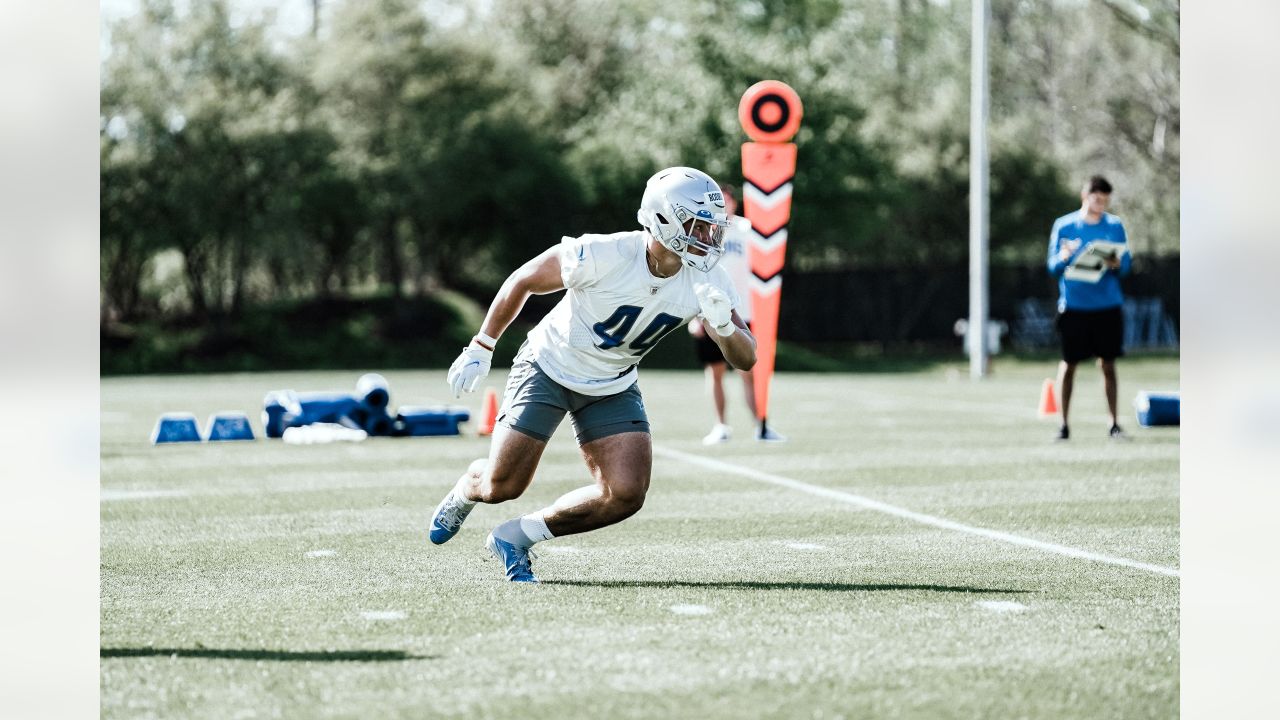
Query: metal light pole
<point x="979" y="296"/>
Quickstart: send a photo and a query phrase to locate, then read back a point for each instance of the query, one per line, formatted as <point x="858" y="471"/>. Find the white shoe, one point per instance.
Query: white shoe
<point x="719" y="434"/>
<point x="767" y="434"/>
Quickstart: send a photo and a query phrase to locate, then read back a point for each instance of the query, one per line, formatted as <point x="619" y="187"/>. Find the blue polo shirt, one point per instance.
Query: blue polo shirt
<point x="1077" y="294"/>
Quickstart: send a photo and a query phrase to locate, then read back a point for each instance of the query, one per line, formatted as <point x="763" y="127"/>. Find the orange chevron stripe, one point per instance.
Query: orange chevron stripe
<point x="766" y="263"/>
<point x="767" y="221"/>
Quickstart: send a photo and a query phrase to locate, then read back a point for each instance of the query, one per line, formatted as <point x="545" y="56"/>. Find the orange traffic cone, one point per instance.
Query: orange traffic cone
<point x="1048" y="399"/>
<point x="489" y="413"/>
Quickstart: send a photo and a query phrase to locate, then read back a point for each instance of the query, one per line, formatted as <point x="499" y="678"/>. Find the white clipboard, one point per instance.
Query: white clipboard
<point x="1091" y="263"/>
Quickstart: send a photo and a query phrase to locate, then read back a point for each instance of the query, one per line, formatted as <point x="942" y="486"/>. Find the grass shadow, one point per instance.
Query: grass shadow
<point x="274" y="655"/>
<point x="754" y="585"/>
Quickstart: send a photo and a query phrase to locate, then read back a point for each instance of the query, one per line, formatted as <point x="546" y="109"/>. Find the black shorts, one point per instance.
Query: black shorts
<point x="707" y="350"/>
<point x="1090" y="333"/>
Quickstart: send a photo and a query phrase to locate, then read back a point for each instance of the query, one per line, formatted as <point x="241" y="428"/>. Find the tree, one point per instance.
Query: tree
<point x="206" y="112"/>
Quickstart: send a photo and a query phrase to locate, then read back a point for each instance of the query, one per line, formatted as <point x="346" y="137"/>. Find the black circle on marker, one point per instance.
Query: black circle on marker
<point x="782" y="116"/>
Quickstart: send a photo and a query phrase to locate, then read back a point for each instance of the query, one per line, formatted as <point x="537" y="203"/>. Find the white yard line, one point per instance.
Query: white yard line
<point x="869" y="504"/>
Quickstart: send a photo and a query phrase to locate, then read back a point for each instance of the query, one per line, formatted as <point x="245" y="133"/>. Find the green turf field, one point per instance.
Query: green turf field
<point x="264" y="580"/>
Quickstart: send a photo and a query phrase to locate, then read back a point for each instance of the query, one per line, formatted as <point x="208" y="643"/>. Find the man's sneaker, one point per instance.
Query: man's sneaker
<point x="1064" y="433"/>
<point x="719" y="434"/>
<point x="1115" y="433"/>
<point x="448" y="518"/>
<point x="516" y="560"/>
<point x="767" y="434"/>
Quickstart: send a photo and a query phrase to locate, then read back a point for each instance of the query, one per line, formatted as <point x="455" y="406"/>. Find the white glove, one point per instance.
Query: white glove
<point x="717" y="311"/>
<point x="469" y="369"/>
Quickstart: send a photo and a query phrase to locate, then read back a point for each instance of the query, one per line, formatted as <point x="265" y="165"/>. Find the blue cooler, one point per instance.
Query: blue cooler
<point x="1157" y="408"/>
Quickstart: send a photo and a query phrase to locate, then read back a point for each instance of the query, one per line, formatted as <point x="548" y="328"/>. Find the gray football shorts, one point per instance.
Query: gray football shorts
<point x="534" y="404"/>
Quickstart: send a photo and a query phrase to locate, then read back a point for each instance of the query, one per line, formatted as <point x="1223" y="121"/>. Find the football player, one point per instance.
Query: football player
<point x="626" y="291"/>
<point x="735" y="262"/>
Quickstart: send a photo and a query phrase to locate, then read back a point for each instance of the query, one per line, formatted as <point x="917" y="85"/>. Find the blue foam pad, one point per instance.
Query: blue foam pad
<point x="175" y="427"/>
<point x="366" y="409"/>
<point x="378" y="423"/>
<point x="279" y="408"/>
<point x="229" y="425"/>
<point x="327" y="407"/>
<point x="283" y="409"/>
<point x="1162" y="408"/>
<point x="424" y="421"/>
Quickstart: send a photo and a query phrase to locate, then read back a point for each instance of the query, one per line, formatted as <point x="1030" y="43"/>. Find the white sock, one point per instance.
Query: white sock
<point x="459" y="492"/>
<point x="535" y="526"/>
<point x="523" y="531"/>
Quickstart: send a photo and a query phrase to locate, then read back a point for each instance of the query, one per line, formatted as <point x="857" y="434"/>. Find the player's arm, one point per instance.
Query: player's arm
<point x="539" y="276"/>
<point x="1059" y="252"/>
<point x="739" y="348"/>
<point x="728" y="330"/>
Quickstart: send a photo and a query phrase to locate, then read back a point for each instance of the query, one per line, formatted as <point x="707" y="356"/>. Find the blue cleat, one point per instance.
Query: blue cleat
<point x="515" y="559"/>
<point x="448" y="519"/>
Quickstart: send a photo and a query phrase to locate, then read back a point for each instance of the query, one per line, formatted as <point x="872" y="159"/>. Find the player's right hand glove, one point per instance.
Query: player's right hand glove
<point x="716" y="308"/>
<point x="469" y="369"/>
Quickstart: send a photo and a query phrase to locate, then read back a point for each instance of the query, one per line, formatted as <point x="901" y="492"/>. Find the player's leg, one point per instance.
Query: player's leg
<point x="1066" y="382"/>
<point x="1112" y="388"/>
<point x="1111" y="346"/>
<point x="507" y="472"/>
<point x="1108" y="368"/>
<point x="712" y="359"/>
<point x="749" y="391"/>
<point x="613" y="434"/>
<point x="715" y="376"/>
<point x="620" y="467"/>
<point x="1077" y="345"/>
<point x="532" y="408"/>
<point x="504" y="475"/>
<point x="720" y="432"/>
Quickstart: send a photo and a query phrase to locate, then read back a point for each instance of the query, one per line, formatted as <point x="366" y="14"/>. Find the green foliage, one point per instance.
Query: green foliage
<point x="331" y="333"/>
<point x="403" y="152"/>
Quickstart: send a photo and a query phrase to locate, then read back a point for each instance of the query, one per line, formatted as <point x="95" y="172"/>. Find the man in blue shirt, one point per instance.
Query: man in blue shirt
<point x="1090" y="316"/>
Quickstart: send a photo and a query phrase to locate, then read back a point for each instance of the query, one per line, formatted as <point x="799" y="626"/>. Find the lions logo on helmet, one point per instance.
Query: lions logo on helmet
<point x="684" y="210"/>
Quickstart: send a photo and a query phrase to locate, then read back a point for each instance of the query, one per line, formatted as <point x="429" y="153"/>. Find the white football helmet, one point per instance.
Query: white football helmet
<point x="683" y="209"/>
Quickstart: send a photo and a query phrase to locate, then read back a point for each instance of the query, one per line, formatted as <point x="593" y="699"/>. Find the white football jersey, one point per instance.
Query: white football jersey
<point x="735" y="262"/>
<point x="614" y="311"/>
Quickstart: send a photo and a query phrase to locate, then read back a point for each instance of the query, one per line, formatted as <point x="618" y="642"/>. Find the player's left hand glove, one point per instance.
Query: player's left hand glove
<point x="716" y="308"/>
<point x="469" y="369"/>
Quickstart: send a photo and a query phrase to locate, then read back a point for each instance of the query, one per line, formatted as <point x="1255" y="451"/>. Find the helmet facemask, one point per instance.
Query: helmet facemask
<point x="687" y="216"/>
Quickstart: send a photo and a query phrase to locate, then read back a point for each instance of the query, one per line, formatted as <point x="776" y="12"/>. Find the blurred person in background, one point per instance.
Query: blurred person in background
<point x="626" y="291"/>
<point x="1090" y="314"/>
<point x="708" y="352"/>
